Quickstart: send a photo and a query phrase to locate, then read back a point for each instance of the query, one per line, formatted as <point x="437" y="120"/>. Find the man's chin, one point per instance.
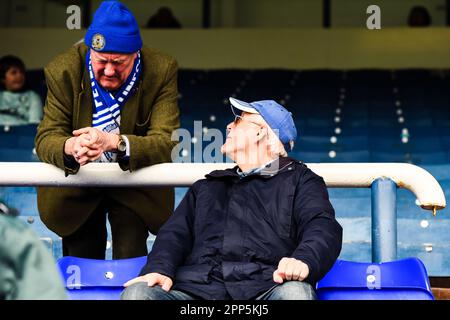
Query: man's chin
<point x="227" y="152"/>
<point x="109" y="85"/>
<point x="224" y="150"/>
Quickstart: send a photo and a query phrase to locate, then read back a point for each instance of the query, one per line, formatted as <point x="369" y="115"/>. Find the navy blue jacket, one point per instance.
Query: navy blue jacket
<point x="227" y="236"/>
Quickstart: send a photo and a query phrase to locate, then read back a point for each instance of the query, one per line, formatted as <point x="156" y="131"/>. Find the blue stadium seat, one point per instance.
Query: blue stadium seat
<point x="25" y="130"/>
<point x="7" y="140"/>
<point x="429" y="157"/>
<point x="420" y="122"/>
<point x="18" y="155"/>
<point x="387" y="144"/>
<point x="350" y="207"/>
<point x="24" y="202"/>
<point x="431" y="144"/>
<point x="440" y="171"/>
<point x="405" y="279"/>
<point x="392" y="156"/>
<point x="25" y="142"/>
<point x="322" y="143"/>
<point x="89" y="279"/>
<point x="326" y="122"/>
<point x="351" y="156"/>
<point x="316" y="131"/>
<point x="35" y="80"/>
<point x="445" y="140"/>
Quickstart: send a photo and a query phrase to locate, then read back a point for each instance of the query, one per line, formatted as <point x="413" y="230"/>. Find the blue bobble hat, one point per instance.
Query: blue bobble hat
<point x="276" y="116"/>
<point x="114" y="29"/>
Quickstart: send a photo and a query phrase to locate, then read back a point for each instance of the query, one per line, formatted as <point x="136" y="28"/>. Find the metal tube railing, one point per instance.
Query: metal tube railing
<point x="336" y="175"/>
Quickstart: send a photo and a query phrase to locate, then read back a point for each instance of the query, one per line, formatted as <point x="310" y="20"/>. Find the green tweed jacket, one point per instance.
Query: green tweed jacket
<point x="147" y="119"/>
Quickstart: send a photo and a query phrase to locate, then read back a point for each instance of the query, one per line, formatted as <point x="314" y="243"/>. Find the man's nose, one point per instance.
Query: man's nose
<point x="109" y="70"/>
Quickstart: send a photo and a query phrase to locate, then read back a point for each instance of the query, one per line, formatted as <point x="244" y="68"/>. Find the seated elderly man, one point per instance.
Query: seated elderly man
<point x="263" y="230"/>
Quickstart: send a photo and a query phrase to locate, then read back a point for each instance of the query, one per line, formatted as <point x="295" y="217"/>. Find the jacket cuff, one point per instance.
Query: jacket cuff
<point x="157" y="269"/>
<point x="71" y="166"/>
<point x="124" y="162"/>
<point x="312" y="275"/>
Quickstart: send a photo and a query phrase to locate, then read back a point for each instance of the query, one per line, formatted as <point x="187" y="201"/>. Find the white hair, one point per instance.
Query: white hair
<point x="276" y="148"/>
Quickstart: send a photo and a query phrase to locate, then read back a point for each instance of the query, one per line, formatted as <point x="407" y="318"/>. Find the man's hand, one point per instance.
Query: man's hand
<point x="290" y="269"/>
<point x="74" y="147"/>
<point x="88" y="144"/>
<point x="153" y="279"/>
<point x="98" y="140"/>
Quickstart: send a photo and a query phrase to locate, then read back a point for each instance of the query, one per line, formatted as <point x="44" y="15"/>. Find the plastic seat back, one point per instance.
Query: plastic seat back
<point x="405" y="279"/>
<point x="90" y="279"/>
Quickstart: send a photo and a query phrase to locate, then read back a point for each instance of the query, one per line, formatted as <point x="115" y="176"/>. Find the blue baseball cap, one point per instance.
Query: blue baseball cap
<point x="276" y="116"/>
<point x="113" y="29"/>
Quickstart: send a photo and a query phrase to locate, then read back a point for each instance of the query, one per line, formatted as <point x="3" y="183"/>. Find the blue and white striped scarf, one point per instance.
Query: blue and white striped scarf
<point x="107" y="107"/>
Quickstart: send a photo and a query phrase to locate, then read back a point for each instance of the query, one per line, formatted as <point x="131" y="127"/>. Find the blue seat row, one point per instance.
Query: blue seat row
<point x="407" y="279"/>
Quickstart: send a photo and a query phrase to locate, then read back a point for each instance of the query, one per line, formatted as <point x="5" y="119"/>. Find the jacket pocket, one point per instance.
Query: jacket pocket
<point x="283" y="219"/>
<point x="141" y="129"/>
<point x="143" y="119"/>
<point x="241" y="271"/>
<point x="198" y="273"/>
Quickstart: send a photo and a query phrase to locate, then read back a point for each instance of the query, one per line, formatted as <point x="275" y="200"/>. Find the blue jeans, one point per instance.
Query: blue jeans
<point x="289" y="290"/>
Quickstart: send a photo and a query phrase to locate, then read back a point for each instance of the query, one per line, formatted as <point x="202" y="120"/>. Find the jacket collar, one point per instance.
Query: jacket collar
<point x="281" y="165"/>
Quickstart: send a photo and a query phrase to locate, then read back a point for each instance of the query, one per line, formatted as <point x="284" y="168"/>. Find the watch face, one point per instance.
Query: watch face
<point x="122" y="146"/>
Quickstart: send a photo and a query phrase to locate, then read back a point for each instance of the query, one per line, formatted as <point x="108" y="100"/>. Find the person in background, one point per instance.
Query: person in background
<point x="163" y="19"/>
<point x="27" y="269"/>
<point x="419" y="17"/>
<point x="18" y="106"/>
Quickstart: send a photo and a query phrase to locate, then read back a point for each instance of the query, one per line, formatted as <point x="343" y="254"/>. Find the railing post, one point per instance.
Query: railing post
<point x="384" y="220"/>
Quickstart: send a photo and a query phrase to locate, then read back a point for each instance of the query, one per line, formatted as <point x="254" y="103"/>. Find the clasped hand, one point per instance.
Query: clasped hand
<point x="88" y="144"/>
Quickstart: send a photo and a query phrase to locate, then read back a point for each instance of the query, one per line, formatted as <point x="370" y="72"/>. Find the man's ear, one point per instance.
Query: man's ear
<point x="262" y="133"/>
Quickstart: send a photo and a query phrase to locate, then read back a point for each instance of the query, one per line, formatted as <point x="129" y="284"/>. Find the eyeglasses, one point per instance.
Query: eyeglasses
<point x="238" y="119"/>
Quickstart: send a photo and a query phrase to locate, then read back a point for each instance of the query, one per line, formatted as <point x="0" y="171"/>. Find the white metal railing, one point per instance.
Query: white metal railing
<point x="348" y="175"/>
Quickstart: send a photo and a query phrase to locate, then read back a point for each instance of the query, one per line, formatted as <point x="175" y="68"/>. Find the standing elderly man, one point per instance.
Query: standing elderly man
<point x="109" y="100"/>
<point x="262" y="230"/>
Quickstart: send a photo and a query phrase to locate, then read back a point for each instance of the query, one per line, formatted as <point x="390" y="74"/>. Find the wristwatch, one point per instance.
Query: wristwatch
<point x="121" y="145"/>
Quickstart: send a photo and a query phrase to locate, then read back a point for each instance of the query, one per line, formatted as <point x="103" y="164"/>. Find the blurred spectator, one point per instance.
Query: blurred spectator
<point x="164" y="18"/>
<point x="18" y="106"/>
<point x="419" y="17"/>
<point x="27" y="269"/>
<point x="7" y="211"/>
